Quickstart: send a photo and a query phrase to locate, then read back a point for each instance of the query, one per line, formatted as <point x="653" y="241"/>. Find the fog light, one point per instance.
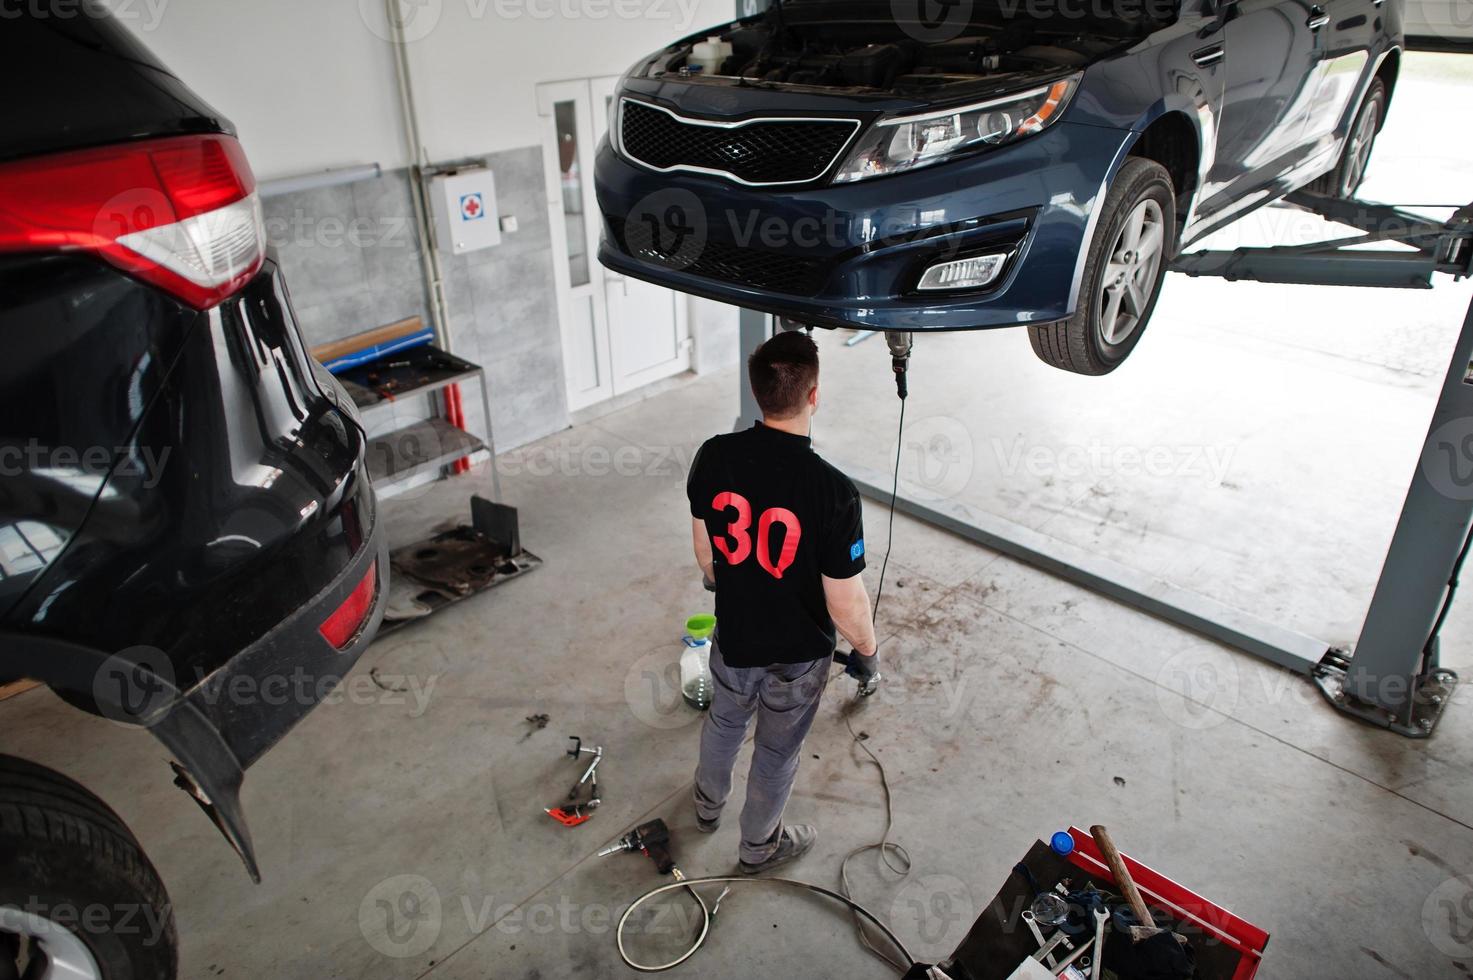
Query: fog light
<point x="972" y="273"/>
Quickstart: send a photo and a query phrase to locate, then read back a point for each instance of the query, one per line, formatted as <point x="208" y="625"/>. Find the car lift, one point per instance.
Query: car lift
<point x="1392" y="678"/>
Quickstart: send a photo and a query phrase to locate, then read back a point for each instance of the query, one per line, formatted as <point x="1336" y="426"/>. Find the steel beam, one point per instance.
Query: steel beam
<point x="753" y="330"/>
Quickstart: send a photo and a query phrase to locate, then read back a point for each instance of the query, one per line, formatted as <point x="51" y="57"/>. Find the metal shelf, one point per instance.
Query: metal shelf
<point x="413" y="373"/>
<point x="406" y="453"/>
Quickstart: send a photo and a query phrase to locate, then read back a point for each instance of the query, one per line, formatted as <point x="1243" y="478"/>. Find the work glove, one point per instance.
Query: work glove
<point x="864" y="669"/>
<point x="709" y="583"/>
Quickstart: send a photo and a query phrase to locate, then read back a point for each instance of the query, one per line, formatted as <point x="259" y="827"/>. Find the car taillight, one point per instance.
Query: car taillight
<point x="340" y="628"/>
<point x="181" y="213"/>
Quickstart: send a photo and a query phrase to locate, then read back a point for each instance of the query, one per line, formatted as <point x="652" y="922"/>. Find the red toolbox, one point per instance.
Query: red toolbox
<point x="1226" y="946"/>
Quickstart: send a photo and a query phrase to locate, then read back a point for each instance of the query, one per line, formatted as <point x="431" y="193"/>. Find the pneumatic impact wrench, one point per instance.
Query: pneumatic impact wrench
<point x="653" y="840"/>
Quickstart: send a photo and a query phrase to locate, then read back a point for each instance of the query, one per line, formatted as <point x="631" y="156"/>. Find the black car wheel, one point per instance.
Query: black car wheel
<point x="1134" y="241"/>
<point x="1355" y="158"/>
<point x="78" y="898"/>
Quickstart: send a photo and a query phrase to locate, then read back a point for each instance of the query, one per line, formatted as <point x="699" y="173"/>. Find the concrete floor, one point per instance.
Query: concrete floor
<point x="401" y="835"/>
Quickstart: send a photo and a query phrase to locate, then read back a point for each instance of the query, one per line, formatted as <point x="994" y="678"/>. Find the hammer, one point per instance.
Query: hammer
<point x="1138" y="933"/>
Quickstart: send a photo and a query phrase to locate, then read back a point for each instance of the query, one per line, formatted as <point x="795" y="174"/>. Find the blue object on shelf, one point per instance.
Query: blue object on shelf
<point x="370" y="354"/>
<point x="1062" y="843"/>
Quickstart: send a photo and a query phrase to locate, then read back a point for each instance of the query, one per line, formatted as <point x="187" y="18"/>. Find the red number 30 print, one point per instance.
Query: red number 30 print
<point x="740" y="531"/>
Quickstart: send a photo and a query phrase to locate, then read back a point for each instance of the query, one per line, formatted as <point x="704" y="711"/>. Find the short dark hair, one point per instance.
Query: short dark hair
<point x="783" y="371"/>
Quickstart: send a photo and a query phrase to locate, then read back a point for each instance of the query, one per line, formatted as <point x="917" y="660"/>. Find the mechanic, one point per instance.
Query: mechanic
<point x="788" y="543"/>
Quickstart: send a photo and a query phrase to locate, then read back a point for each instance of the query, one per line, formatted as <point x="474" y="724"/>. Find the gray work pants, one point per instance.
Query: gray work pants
<point x="784" y="699"/>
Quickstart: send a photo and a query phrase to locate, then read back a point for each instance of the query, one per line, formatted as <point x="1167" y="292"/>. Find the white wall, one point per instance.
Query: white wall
<point x="310" y="83"/>
<point x="1450" y="20"/>
<point x="476" y="69"/>
<point x="306" y="83"/>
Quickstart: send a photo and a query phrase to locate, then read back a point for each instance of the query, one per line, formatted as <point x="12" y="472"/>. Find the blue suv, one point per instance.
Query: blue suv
<point x="1002" y="163"/>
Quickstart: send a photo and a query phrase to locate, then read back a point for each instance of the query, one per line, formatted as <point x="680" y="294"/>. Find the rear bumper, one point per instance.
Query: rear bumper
<point x="850" y="255"/>
<point x="258" y="695"/>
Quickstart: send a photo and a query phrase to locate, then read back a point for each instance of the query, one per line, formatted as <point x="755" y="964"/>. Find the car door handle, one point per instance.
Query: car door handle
<point x="1209" y="56"/>
<point x="1318" y="17"/>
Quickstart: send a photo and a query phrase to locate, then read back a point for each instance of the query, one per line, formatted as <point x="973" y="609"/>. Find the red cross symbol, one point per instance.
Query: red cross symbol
<point x="471" y="205"/>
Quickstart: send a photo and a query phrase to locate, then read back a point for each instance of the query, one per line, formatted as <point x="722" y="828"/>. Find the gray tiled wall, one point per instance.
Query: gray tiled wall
<point x="352" y="259"/>
<point x="351" y="255"/>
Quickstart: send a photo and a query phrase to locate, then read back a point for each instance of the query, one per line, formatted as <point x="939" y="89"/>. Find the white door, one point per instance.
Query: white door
<point x="618" y="333"/>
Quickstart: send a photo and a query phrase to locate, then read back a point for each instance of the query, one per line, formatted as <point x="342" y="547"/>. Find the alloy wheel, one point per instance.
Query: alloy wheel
<point x="46" y="950"/>
<point x="1130" y="274"/>
<point x="1358" y="154"/>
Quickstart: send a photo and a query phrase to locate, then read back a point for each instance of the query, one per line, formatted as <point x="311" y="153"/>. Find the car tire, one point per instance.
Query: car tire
<point x="1355" y="156"/>
<point x="75" y="884"/>
<point x="1141" y="198"/>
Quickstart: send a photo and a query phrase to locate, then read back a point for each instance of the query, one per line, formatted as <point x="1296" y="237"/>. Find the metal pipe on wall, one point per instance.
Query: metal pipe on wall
<point x="418" y="164"/>
<point x="319" y="180"/>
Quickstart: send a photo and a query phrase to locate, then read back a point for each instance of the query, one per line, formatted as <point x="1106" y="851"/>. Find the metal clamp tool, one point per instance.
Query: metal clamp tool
<point x="572" y="814"/>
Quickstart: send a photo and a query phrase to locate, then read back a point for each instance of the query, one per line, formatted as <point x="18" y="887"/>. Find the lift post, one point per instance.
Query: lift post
<point x="1391" y="677"/>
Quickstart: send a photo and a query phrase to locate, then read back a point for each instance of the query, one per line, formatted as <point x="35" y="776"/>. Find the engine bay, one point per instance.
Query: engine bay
<point x="830" y="45"/>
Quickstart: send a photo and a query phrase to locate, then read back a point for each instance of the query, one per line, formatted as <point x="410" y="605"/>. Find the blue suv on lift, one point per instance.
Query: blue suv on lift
<point x="1010" y="162"/>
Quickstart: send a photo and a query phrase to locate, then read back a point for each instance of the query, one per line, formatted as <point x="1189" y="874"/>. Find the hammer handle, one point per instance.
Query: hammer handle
<point x="1122" y="876"/>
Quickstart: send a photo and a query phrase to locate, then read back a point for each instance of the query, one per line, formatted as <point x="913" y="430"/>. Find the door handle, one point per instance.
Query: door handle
<point x="1318" y="17"/>
<point x="1209" y="56"/>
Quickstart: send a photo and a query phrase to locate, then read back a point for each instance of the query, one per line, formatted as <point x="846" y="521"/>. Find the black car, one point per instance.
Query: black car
<point x="189" y="541"/>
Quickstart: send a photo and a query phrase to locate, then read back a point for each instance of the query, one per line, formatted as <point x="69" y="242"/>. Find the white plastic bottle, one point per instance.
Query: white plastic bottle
<point x="695" y="662"/>
<point x="709" y="55"/>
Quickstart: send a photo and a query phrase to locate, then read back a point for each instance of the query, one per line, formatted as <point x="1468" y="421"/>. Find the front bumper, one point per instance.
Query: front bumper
<point x="850" y="254"/>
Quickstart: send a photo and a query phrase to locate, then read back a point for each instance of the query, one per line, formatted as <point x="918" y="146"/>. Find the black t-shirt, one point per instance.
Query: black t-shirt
<point x="779" y="518"/>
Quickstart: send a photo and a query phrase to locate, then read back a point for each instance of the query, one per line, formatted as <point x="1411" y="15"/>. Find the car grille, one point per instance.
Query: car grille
<point x="759" y="268"/>
<point x="765" y="152"/>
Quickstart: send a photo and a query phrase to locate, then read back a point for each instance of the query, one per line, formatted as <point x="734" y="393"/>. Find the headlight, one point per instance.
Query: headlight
<point x="905" y="142"/>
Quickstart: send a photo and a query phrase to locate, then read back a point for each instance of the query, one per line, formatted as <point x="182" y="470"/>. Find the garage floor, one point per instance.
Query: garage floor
<point x="1256" y="449"/>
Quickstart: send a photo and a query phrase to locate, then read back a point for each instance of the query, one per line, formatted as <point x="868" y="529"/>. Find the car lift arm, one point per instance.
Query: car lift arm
<point x="1393" y="678"/>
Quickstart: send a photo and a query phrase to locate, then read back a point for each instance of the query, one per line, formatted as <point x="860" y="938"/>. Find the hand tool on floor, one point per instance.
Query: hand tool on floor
<point x="651" y="839"/>
<point x="863" y="669"/>
<point x="571" y="814"/>
<point x="1158" y="952"/>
